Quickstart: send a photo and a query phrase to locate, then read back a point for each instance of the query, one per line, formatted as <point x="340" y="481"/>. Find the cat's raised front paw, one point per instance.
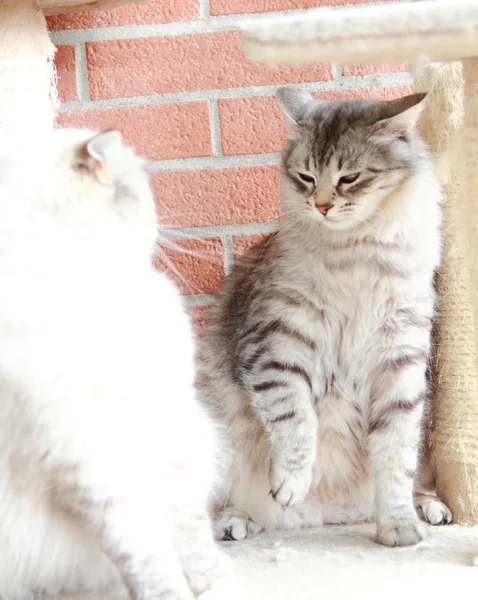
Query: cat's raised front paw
<point x="289" y="488"/>
<point x="402" y="533"/>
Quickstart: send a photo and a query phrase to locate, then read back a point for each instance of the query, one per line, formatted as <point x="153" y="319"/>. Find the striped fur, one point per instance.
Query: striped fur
<point x="316" y="352"/>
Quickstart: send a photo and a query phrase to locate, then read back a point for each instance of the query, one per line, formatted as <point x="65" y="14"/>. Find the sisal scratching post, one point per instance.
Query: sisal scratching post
<point x="27" y="81"/>
<point x="27" y="93"/>
<point x="468" y="149"/>
<point x="455" y="422"/>
<point x="421" y="32"/>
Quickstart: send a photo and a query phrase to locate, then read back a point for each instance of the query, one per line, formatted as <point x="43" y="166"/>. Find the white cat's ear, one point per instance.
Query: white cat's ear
<point x="403" y="114"/>
<point x="295" y="102"/>
<point x="102" y="148"/>
<point x="104" y="145"/>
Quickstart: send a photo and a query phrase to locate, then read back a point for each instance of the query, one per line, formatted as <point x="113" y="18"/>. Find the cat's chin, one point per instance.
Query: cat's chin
<point x="341" y="224"/>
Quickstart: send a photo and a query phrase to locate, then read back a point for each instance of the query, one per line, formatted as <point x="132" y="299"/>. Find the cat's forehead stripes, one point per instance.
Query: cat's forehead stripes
<point x="328" y="124"/>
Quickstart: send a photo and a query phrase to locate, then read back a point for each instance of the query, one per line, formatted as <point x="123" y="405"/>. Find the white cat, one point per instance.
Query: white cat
<point x="106" y="459"/>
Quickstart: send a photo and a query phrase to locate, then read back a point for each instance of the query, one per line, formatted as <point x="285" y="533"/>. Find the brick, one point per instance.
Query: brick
<point x="256" y="124"/>
<point x="251" y="125"/>
<point x="242" y="243"/>
<point x="217" y="196"/>
<point x="158" y="11"/>
<point x="65" y="64"/>
<point x="160" y="131"/>
<point x="199" y="316"/>
<point x="197" y="270"/>
<point x="371" y="69"/>
<point x="223" y="7"/>
<point x="159" y="65"/>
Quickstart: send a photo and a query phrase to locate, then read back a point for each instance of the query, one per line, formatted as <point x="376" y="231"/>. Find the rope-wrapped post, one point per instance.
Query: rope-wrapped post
<point x="27" y="83"/>
<point x="454" y="405"/>
<point x="27" y="76"/>
<point x="461" y="478"/>
<point x="469" y="175"/>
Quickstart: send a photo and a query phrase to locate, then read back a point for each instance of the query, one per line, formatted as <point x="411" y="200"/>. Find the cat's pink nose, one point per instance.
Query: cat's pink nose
<point x="323" y="208"/>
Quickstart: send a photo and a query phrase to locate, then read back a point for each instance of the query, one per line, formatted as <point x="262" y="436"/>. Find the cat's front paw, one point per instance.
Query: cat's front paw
<point x="402" y="533"/>
<point x="433" y="510"/>
<point x="289" y="488"/>
<point x="232" y="524"/>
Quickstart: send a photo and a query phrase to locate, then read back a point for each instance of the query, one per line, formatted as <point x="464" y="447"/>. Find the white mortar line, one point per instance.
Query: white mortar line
<point x="215" y="127"/>
<point x="122" y="32"/>
<point x="198" y="299"/>
<point x="214" y="162"/>
<point x="228" y="253"/>
<point x="204" y="9"/>
<point x="82" y="74"/>
<point x="204" y="25"/>
<point x="337" y="72"/>
<point x="345" y="83"/>
<point x="181" y="233"/>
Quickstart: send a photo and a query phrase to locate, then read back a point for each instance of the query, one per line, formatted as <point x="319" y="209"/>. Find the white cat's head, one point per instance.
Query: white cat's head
<point x="344" y="158"/>
<point x="102" y="181"/>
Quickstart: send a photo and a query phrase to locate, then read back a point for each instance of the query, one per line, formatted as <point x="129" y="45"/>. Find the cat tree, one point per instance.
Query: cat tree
<point x="423" y="32"/>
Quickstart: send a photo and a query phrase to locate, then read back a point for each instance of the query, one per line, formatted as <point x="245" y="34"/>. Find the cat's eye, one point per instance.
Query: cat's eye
<point x="306" y="178"/>
<point x="349" y="178"/>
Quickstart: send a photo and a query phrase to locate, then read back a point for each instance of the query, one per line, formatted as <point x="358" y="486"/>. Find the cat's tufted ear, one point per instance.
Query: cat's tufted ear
<point x="401" y="115"/>
<point x="102" y="148"/>
<point x="295" y="102"/>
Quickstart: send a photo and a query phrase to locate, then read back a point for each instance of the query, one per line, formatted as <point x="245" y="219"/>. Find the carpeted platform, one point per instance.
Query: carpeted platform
<point x="338" y="562"/>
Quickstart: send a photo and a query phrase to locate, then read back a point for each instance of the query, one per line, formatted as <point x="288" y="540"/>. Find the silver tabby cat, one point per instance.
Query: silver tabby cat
<point x="315" y="356"/>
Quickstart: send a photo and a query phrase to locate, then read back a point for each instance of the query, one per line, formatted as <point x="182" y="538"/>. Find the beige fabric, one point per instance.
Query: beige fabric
<point x="53" y="7"/>
<point x="455" y="402"/>
<point x="27" y="94"/>
<point x="429" y="30"/>
<point x="340" y="562"/>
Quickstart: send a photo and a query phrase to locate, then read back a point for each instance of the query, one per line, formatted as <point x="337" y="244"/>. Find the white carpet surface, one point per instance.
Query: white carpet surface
<point x="344" y="562"/>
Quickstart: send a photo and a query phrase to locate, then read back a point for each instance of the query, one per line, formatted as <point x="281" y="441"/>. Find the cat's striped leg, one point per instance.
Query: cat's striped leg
<point x="142" y="550"/>
<point x="205" y="566"/>
<point x="394" y="434"/>
<point x="281" y="396"/>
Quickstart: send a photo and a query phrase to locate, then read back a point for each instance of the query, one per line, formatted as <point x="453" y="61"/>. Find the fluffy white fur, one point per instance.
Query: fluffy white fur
<point x="106" y="459"/>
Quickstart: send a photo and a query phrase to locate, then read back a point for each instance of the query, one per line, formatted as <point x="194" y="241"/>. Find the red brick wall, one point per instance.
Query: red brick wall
<point x="171" y="76"/>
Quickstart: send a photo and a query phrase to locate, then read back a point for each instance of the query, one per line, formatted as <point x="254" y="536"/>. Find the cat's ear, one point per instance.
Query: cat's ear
<point x="402" y="115"/>
<point x="104" y="145"/>
<point x="295" y="102"/>
<point x="102" y="148"/>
